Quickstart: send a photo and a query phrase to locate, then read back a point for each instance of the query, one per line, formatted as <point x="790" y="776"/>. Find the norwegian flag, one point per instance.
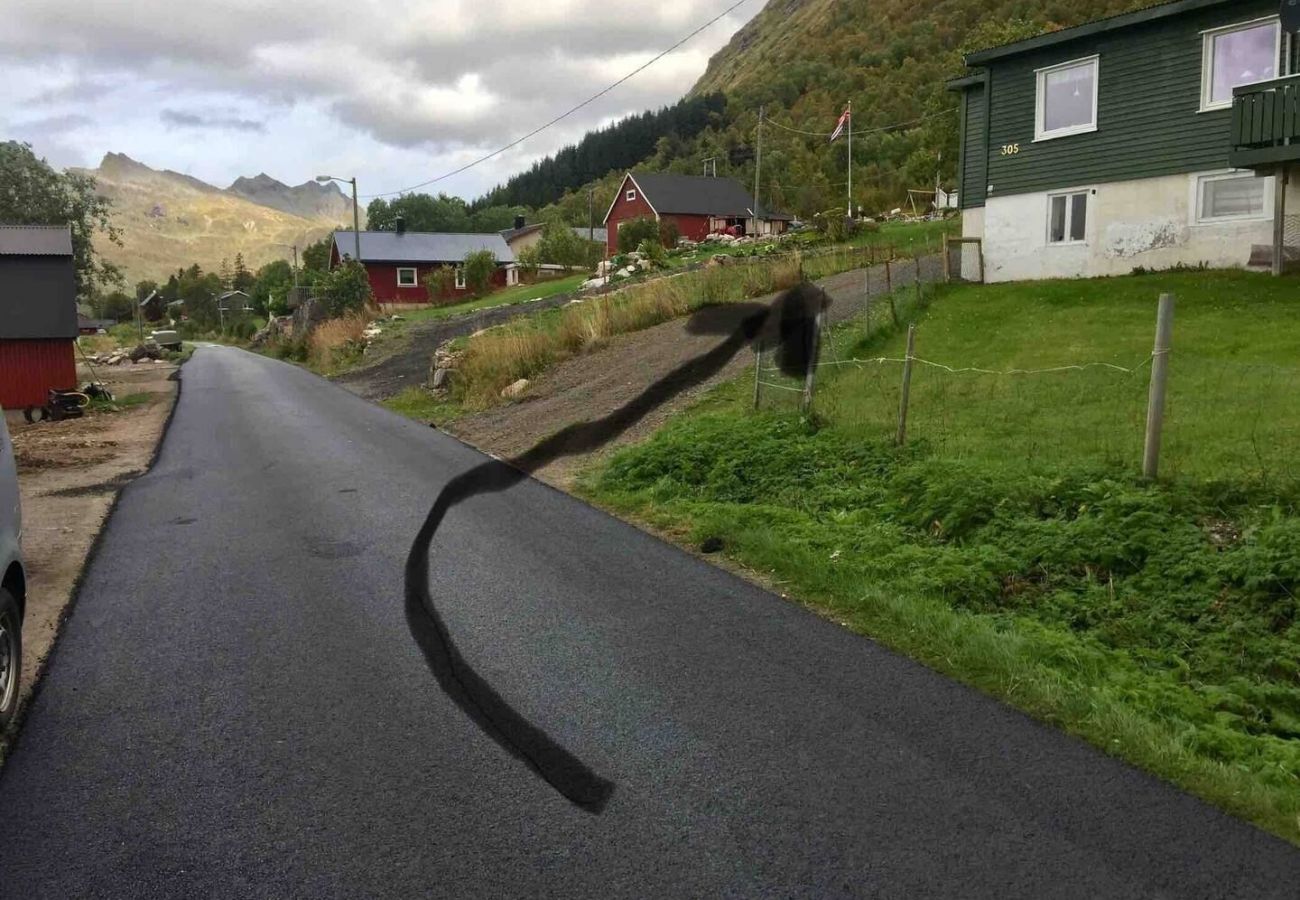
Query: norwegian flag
<point x="840" y="125"/>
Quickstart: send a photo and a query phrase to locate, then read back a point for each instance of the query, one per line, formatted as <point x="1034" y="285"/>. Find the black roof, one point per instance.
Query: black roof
<point x="698" y="195"/>
<point x="38" y="284"/>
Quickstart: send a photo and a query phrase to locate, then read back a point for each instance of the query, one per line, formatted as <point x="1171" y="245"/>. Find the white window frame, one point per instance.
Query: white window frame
<point x="415" y="276"/>
<point x="1040" y="99"/>
<point x="1069" y="209"/>
<point x="460" y="278"/>
<point x="1197" y="207"/>
<point x="1207" y="58"/>
<point x="630" y="196"/>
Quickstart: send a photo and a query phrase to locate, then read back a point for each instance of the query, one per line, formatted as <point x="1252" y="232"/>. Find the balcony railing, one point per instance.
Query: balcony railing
<point x="1265" y="123"/>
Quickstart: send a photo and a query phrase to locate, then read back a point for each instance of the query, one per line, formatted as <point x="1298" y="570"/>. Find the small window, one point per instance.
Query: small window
<point x="1237" y="55"/>
<point x="1067" y="99"/>
<point x="460" y="278"/>
<point x="1067" y="218"/>
<point x="631" y="195"/>
<point x="1233" y="196"/>
<point x="406" y="277"/>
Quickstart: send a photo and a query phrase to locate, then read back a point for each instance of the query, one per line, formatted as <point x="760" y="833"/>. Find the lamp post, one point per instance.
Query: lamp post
<point x="356" y="215"/>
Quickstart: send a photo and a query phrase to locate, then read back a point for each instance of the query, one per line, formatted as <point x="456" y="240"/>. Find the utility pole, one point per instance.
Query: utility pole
<point x="295" y="265"/>
<point x="591" y="215"/>
<point x="849" y="208"/>
<point x="758" y="165"/>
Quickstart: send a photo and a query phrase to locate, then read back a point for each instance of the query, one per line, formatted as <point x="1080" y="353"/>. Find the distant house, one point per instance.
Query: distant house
<point x="1154" y="138"/>
<point x="397" y="261"/>
<point x="522" y="236"/>
<point x="88" y="325"/>
<point x="697" y="205"/>
<point x="38" y="314"/>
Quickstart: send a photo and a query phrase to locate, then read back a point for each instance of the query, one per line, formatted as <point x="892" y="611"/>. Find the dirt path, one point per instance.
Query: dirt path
<point x="408" y="363"/>
<point x="68" y="474"/>
<point x="596" y="383"/>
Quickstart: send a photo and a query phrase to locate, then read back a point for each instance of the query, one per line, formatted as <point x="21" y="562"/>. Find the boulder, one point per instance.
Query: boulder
<point x="515" y="390"/>
<point x="442" y="378"/>
<point x="592" y="284"/>
<point x="719" y="259"/>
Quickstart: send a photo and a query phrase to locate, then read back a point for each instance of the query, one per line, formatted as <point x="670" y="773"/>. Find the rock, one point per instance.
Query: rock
<point x="515" y="390"/>
<point x="624" y="273"/>
<point x="441" y="380"/>
<point x="592" y="284"/>
<point x="719" y="259"/>
<point x="602" y="268"/>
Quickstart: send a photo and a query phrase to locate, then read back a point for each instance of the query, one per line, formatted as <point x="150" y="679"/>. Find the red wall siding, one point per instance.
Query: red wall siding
<point x="383" y="282"/>
<point x="28" y="369"/>
<point x="694" y="227"/>
<point x="623" y="210"/>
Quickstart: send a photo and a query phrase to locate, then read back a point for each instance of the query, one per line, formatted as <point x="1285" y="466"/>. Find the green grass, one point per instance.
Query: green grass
<point x="423" y="406"/>
<point x="119" y="404"/>
<point x="1011" y="547"/>
<point x="520" y="293"/>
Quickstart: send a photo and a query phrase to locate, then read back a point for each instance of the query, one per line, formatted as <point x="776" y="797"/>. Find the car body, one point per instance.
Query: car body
<point x="13" y="580"/>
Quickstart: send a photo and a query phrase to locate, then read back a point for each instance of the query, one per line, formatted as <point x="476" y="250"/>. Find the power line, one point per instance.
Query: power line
<point x="864" y="131"/>
<point x="592" y="99"/>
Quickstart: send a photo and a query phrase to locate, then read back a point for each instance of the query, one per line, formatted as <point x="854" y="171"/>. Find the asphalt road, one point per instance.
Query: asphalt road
<point x="238" y="709"/>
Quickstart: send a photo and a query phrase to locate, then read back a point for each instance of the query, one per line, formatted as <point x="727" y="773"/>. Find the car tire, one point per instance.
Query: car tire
<point x="11" y="656"/>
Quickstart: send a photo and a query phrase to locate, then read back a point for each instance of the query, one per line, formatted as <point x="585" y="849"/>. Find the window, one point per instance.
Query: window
<point x="406" y="277"/>
<point x="1233" y="196"/>
<point x="631" y="195"/>
<point x="460" y="278"/>
<point x="1067" y="99"/>
<point x="1237" y="55"/>
<point x="1067" y="218"/>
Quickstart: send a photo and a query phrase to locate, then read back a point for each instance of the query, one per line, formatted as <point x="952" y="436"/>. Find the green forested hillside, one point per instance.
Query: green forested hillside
<point x="803" y="60"/>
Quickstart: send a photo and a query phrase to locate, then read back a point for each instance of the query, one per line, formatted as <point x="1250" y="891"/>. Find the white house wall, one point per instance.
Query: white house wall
<point x="1147" y="222"/>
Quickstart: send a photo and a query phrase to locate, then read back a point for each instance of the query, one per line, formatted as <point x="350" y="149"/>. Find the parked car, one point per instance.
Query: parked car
<point x="13" y="581"/>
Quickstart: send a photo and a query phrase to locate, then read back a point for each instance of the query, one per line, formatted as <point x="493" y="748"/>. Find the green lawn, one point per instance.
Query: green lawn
<point x="1012" y="543"/>
<point x="520" y="293"/>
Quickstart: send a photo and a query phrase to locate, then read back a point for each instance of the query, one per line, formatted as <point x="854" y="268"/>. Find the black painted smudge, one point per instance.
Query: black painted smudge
<point x="786" y="326"/>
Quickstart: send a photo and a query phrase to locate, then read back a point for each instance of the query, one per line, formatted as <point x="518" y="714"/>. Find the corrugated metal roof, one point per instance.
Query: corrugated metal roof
<point x="698" y="195"/>
<point x="421" y="246"/>
<point x="35" y="240"/>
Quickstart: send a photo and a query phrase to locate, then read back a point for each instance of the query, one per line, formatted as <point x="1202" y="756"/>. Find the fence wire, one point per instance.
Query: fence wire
<point x="1223" y="418"/>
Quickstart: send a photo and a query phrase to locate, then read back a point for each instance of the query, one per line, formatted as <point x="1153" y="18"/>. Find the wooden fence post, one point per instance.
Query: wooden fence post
<point x="917" y="260"/>
<point x="889" y="291"/>
<point x="947" y="260"/>
<point x="907" y="385"/>
<point x="1159" y="377"/>
<point x="866" y="301"/>
<point x="758" y="371"/>
<point x="814" y="352"/>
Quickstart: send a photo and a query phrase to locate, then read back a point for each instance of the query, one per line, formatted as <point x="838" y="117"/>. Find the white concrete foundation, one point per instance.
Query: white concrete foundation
<point x="1148" y="222"/>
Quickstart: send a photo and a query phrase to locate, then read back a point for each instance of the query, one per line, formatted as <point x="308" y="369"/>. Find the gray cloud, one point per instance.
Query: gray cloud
<point x="378" y="85"/>
<point x="178" y="119"/>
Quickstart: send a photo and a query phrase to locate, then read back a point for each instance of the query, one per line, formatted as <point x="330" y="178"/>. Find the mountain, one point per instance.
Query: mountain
<point x="310" y="199"/>
<point x="802" y="62"/>
<point x="169" y="220"/>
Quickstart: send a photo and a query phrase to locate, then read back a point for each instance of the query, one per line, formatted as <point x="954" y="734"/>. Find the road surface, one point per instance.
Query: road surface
<point x="237" y="707"/>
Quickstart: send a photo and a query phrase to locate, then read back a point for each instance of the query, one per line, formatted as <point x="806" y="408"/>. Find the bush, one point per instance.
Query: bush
<point x="441" y="285"/>
<point x="529" y="259"/>
<point x="632" y="232"/>
<point x="479" y="267"/>
<point x="335" y="340"/>
<point x="653" y="251"/>
<point x="345" y="288"/>
<point x="668" y="233"/>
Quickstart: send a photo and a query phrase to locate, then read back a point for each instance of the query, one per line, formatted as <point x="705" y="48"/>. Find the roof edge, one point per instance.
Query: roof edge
<point x="1088" y="29"/>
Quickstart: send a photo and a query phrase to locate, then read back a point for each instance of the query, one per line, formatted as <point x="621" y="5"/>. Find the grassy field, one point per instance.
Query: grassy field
<point x="1012" y="543"/>
<point x="521" y="293"/>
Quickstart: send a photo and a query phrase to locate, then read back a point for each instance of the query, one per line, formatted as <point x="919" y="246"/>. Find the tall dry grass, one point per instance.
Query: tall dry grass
<point x="503" y="355"/>
<point x="335" y="339"/>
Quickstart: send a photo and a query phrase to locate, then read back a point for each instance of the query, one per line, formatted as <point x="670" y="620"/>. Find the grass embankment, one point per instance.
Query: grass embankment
<point x="522" y="349"/>
<point x="1012" y="545"/>
<point x="520" y="293"/>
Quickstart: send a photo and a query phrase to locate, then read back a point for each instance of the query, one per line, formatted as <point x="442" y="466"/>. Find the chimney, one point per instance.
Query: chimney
<point x="519" y="222"/>
<point x="400" y="224"/>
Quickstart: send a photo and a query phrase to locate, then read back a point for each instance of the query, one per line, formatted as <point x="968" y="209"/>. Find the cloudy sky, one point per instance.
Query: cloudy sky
<point x="394" y="91"/>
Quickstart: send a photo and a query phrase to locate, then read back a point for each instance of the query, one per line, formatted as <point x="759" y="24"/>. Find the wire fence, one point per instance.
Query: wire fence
<point x="1222" y="418"/>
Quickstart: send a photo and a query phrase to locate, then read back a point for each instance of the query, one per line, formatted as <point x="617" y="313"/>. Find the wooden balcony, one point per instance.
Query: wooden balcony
<point x="1265" y="124"/>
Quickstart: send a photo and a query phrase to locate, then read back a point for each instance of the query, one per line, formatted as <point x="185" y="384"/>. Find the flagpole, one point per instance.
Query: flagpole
<point x="850" y="159"/>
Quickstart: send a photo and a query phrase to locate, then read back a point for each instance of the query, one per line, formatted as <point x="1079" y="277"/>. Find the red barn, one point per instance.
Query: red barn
<point x="38" y="314"/>
<point x="697" y="205"/>
<point x="397" y="262"/>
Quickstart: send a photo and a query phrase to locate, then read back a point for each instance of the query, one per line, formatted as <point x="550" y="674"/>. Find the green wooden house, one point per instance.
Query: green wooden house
<point x="1155" y="138"/>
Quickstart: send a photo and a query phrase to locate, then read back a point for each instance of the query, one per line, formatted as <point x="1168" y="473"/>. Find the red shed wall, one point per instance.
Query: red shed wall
<point x="624" y="209"/>
<point x="694" y="227"/>
<point x="28" y="369"/>
<point x="383" y="282"/>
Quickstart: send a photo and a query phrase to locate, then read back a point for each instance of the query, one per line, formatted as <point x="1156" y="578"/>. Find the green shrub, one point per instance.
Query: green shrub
<point x="632" y="232"/>
<point x="479" y="267"/>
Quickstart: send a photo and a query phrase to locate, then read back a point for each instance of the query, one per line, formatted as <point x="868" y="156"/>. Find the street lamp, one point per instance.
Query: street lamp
<point x="356" y="216"/>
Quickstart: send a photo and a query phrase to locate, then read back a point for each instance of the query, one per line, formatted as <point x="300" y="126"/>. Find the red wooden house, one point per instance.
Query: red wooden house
<point x="697" y="205"/>
<point x="38" y="314"/>
<point x="397" y="261"/>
